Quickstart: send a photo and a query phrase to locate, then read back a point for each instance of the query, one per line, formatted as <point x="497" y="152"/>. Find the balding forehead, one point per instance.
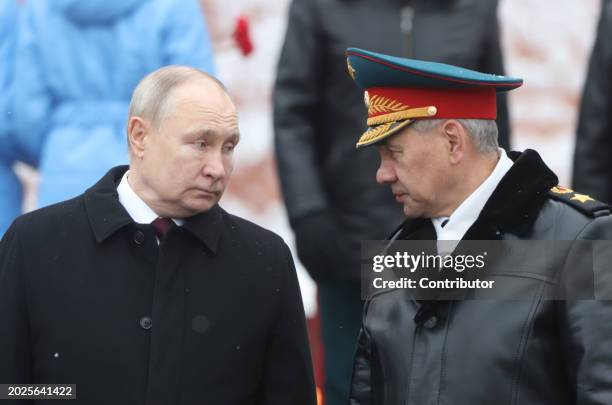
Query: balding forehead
<point x="199" y="95"/>
<point x="151" y="96"/>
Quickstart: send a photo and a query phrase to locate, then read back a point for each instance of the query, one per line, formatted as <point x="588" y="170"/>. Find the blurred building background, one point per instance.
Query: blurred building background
<point x="546" y="42"/>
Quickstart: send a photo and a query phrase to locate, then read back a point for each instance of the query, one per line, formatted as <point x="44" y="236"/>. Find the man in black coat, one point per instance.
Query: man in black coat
<point x="541" y="336"/>
<point x="332" y="201"/>
<point x="143" y="290"/>
<point x="592" y="171"/>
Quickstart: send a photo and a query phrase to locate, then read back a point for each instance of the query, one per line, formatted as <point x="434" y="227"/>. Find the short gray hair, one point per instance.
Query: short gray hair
<point x="484" y="133"/>
<point x="151" y="95"/>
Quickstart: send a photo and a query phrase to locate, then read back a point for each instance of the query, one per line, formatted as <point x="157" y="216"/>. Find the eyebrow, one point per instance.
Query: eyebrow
<point x="208" y="133"/>
<point x="235" y="137"/>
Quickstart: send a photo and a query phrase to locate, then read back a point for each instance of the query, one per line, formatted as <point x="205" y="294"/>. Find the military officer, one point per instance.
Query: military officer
<point x="433" y="126"/>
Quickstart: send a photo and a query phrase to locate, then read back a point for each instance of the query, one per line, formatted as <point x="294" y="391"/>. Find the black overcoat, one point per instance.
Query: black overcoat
<point x="213" y="315"/>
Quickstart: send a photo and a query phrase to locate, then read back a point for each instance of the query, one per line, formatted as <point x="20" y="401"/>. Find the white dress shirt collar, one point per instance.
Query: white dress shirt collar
<point x="140" y="212"/>
<point x="469" y="210"/>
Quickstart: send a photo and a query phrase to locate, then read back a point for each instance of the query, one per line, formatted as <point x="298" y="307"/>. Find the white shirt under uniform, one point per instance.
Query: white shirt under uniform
<point x="453" y="228"/>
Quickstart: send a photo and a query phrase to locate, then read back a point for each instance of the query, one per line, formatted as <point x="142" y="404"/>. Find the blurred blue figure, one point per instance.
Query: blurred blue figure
<point x="10" y="186"/>
<point x="76" y="65"/>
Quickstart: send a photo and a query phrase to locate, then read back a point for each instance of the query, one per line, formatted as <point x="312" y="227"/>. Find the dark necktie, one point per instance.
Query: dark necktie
<point x="162" y="226"/>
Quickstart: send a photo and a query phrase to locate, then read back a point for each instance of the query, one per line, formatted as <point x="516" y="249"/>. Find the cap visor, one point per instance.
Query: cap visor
<point x="381" y="132"/>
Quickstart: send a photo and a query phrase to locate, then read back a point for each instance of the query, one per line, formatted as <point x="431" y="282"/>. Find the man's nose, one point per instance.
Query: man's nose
<point x="214" y="166"/>
<point x="385" y="174"/>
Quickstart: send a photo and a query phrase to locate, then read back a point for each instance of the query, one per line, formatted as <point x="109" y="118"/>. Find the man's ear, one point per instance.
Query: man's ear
<point x="455" y="137"/>
<point x="137" y="131"/>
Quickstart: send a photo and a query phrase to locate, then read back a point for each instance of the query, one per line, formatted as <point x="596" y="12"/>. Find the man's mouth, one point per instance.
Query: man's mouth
<point x="211" y="193"/>
<point x="399" y="196"/>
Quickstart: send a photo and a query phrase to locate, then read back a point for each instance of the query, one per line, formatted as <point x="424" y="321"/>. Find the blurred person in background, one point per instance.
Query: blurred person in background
<point x="10" y="185"/>
<point x="77" y="63"/>
<point x="333" y="201"/>
<point x="592" y="173"/>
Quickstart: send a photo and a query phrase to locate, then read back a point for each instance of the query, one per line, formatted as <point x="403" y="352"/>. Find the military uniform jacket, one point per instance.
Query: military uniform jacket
<point x="213" y="315"/>
<point x="527" y="352"/>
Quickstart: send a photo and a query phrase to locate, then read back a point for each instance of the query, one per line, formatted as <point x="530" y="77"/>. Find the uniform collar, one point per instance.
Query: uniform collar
<point x="107" y="215"/>
<point x="517" y="200"/>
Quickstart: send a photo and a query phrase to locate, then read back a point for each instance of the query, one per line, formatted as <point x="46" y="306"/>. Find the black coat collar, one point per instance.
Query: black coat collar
<point x="517" y="199"/>
<point x="107" y="215"/>
<point x="513" y="206"/>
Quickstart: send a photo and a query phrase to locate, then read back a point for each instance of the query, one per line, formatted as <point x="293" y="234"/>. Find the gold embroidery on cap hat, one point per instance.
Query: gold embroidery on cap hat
<point x="374" y="133"/>
<point x="422" y="112"/>
<point x="379" y="104"/>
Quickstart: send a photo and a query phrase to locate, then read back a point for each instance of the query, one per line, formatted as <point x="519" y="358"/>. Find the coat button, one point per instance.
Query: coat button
<point x="139" y="237"/>
<point x="146" y="322"/>
<point x="431" y="322"/>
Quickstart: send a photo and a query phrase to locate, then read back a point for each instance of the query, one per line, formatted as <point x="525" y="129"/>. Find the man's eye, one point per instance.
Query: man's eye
<point x="229" y="148"/>
<point x="200" y="144"/>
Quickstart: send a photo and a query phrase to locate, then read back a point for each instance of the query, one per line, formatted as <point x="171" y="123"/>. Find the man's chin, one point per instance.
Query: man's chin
<point x="197" y="205"/>
<point x="200" y="206"/>
<point x="411" y="212"/>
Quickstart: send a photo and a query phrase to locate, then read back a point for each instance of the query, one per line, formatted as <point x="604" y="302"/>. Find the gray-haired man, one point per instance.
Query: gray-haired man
<point x="531" y="343"/>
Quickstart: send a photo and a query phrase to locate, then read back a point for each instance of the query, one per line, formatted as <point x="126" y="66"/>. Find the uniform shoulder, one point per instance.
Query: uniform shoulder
<point x="582" y="203"/>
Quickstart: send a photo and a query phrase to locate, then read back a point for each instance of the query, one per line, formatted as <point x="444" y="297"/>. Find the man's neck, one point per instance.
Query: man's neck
<point x="145" y="192"/>
<point x="473" y="175"/>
